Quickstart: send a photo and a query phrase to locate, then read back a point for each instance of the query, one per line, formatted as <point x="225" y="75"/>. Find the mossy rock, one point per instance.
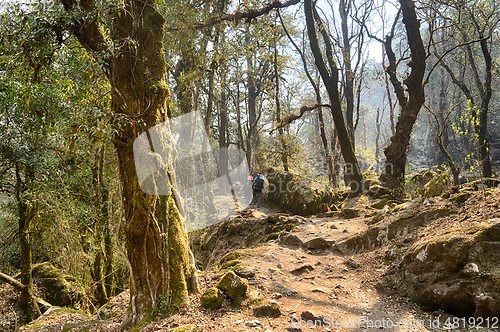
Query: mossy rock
<point x="61" y="289"/>
<point x="457" y="272"/>
<point x="230" y="264"/>
<point x="212" y="298"/>
<point x="186" y="328"/>
<point x="268" y="309"/>
<point x="460" y="197"/>
<point x="380" y="203"/>
<point x="350" y="213"/>
<point x="233" y="286"/>
<point x="436" y="186"/>
<point x="272" y="236"/>
<point x="231" y="256"/>
<point x="377" y="191"/>
<point x="421" y="178"/>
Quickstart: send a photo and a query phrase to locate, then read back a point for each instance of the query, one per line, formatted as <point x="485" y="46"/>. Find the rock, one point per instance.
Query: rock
<point x="410" y="217"/>
<point x="276" y="296"/>
<point x="303" y="269"/>
<point x="456" y="272"/>
<point x="319" y="290"/>
<point x="211" y="298"/>
<point x="350" y="213"/>
<point x="232" y="285"/>
<point x="61" y="290"/>
<point x="420" y="179"/>
<point x="323" y="208"/>
<point x="317" y="243"/>
<point x="186" y="328"/>
<point x="460" y="197"/>
<point x="311" y="318"/>
<point x="230" y="256"/>
<point x="244" y="273"/>
<point x="231" y="263"/>
<point x="436" y="186"/>
<point x="276" y="217"/>
<point x="293" y="328"/>
<point x="279" y="288"/>
<point x="296" y="193"/>
<point x="351" y="263"/>
<point x="253" y="323"/>
<point x="380" y="204"/>
<point x="291" y="239"/>
<point x="268" y="309"/>
<point x="377" y="191"/>
<point x="332" y="226"/>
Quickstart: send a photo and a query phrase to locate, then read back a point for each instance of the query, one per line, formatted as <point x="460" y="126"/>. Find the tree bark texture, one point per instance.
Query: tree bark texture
<point x="397" y="151"/>
<point x="330" y="79"/>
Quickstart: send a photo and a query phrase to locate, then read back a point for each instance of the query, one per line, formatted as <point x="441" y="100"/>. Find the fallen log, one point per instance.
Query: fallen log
<point x="11" y="281"/>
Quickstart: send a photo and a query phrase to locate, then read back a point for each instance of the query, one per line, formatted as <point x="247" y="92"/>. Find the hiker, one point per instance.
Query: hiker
<point x="237" y="188"/>
<point x="247" y="190"/>
<point x="258" y="185"/>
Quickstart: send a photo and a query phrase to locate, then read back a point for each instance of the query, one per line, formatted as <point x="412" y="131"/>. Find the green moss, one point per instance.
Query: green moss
<point x="233" y="286"/>
<point x="230" y="264"/>
<point x="211" y="298"/>
<point x="186" y="328"/>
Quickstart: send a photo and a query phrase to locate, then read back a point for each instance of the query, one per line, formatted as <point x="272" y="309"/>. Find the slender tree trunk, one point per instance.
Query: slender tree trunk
<point x="223" y="152"/>
<point x="348" y="74"/>
<point x="252" y="94"/>
<point x="28" y="301"/>
<point x="397" y="151"/>
<point x="284" y="156"/>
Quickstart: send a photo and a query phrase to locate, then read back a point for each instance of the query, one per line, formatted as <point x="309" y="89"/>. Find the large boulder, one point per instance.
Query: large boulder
<point x="457" y="272"/>
<point x="297" y="194"/>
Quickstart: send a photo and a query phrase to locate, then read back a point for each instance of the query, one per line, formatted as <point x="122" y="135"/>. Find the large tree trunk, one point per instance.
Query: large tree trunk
<point x="156" y="239"/>
<point x="397" y="151"/>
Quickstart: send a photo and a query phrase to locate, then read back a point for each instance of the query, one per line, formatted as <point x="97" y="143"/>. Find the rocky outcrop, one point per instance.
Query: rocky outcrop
<point x="407" y="219"/>
<point x="457" y="272"/>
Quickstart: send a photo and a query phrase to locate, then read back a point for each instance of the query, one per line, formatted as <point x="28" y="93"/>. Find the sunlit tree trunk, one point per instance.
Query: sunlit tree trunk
<point x="396" y="152"/>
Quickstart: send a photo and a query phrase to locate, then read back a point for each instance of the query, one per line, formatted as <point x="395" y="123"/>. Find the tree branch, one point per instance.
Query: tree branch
<point x="11" y="281"/>
<point x="288" y="119"/>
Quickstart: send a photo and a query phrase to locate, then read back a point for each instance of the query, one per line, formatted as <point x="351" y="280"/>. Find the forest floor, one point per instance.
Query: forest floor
<point x="343" y="293"/>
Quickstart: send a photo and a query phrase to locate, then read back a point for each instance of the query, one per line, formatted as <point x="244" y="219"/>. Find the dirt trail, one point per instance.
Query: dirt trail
<point x="341" y="293"/>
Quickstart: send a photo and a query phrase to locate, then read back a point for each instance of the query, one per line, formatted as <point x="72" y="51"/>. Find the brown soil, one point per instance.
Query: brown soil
<point x="343" y="290"/>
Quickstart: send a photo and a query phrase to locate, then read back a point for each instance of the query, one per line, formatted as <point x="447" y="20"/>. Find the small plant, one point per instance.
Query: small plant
<point x="163" y="302"/>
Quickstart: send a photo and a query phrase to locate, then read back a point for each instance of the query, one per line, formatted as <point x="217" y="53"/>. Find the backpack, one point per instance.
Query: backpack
<point x="259" y="183"/>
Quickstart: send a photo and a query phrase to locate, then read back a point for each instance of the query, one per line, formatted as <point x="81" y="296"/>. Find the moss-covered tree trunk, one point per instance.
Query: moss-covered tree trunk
<point x="28" y="301"/>
<point x="397" y="151"/>
<point x="156" y="239"/>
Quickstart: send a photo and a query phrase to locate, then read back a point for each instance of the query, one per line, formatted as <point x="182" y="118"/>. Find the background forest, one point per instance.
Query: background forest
<point x="310" y="88"/>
